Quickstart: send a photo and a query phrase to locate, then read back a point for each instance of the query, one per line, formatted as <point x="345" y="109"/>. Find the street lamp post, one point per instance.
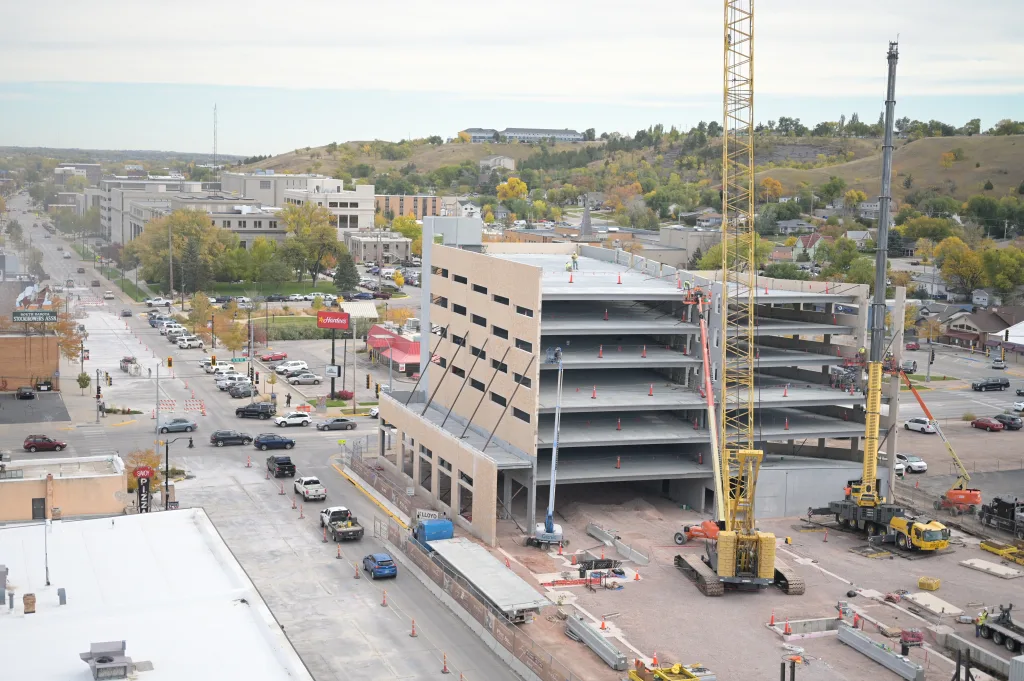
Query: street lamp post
<point x="167" y="465"/>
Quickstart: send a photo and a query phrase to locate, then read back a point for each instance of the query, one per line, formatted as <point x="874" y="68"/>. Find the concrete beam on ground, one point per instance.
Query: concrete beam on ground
<point x="607" y="430"/>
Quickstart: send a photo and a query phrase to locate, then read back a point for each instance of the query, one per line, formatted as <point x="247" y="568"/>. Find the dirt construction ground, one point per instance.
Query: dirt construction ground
<point x="664" y="613"/>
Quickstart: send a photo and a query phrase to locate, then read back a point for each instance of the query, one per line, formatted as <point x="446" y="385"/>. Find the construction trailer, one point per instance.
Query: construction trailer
<point x="1004" y="630"/>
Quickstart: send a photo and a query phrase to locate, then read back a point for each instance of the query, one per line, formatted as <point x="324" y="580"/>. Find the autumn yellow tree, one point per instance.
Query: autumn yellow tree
<point x="465" y="138"/>
<point x="143" y="457"/>
<point x="399" y="279"/>
<point x="771" y="189"/>
<point x="790" y="242"/>
<point x="924" y="248"/>
<point x="946" y="160"/>
<point x="854" y="198"/>
<point x="514" y="188"/>
<point x="398" y="315"/>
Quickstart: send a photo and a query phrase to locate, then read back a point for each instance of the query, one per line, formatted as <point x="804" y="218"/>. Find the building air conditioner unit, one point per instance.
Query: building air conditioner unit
<point x="107" y="660"/>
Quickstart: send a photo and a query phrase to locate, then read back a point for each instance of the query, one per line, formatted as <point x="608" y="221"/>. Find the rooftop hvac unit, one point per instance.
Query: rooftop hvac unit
<point x="107" y="660"/>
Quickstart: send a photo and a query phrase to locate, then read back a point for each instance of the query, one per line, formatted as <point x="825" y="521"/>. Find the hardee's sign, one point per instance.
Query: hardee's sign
<point x="332" y="320"/>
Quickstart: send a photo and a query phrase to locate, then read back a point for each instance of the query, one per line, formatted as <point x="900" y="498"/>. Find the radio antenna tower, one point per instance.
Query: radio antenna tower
<point x="215" y="137"/>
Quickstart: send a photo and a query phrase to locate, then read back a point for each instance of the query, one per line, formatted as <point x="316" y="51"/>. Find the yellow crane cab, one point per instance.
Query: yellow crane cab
<point x="915" y="535"/>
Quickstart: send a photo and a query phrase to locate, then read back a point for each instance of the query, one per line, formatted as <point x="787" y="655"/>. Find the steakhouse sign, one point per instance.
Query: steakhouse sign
<point x="332" y="320"/>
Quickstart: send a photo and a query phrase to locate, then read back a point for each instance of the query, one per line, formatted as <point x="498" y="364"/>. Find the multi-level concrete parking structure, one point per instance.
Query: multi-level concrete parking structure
<point x="477" y="430"/>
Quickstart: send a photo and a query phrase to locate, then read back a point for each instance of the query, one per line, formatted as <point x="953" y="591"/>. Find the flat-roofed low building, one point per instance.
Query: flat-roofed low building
<point x="38" y="488"/>
<point x="378" y="246"/>
<point x="158" y="594"/>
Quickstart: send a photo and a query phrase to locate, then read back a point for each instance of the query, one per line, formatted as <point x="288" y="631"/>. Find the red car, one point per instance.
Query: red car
<point x="274" y="356"/>
<point x="35" y="443"/>
<point x="913" y="345"/>
<point x="987" y="423"/>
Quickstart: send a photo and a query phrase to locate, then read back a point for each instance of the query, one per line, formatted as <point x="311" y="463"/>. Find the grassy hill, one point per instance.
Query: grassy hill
<point x="1001" y="162"/>
<point x="425" y="157"/>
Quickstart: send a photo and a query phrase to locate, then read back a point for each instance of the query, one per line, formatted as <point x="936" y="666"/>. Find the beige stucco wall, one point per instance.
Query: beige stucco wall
<point x="521" y="284"/>
<point x="414" y="433"/>
<point x="508" y="247"/>
<point x="73" y="496"/>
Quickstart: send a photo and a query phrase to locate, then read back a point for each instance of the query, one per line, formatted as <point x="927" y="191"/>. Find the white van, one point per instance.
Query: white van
<point x="388" y="273"/>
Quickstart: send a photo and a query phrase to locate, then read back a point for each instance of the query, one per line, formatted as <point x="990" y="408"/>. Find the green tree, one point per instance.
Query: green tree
<point x="84" y="379"/>
<point x="346" y="276"/>
<point x="195" y="271"/>
<point x="1004" y="269"/>
<point x="151" y="248"/>
<point x="861" y="271"/>
<point x="311" y="227"/>
<point x="712" y="260"/>
<point x="961" y="267"/>
<point x="786" y="270"/>
<point x="922" y="227"/>
<point x="833" y="189"/>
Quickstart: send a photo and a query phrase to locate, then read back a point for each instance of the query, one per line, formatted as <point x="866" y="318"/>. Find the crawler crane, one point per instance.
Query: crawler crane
<point x="740" y="556"/>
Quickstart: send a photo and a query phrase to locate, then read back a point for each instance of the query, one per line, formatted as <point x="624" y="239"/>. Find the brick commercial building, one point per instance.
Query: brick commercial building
<point x="418" y="206"/>
<point x="478" y="428"/>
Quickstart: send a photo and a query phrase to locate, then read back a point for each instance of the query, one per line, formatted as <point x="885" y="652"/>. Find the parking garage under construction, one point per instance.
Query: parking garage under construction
<point x="477" y="430"/>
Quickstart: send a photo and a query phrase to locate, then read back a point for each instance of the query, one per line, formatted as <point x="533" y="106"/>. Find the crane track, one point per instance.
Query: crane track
<point x="788" y="581"/>
<point x="700" y="574"/>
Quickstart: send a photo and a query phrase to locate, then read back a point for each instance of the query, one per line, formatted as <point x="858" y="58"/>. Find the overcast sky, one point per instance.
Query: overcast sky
<point x="141" y="74"/>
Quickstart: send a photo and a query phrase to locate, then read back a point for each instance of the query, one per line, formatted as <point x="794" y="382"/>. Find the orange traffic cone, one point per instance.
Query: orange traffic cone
<point x="574" y="559"/>
<point x="338" y="557"/>
<point x="280" y="492"/>
<point x="603" y="627"/>
<point x="636" y="576"/>
<point x="508" y="564"/>
<point x="679" y="283"/>
<point x="413" y="634"/>
<point x="570" y="277"/>
<point x="650" y="391"/>
<point x="384" y="599"/>
<point x="787" y="630"/>
<point x="620" y="279"/>
<point x="643" y="353"/>
<point x="785" y="390"/>
<point x="593" y="394"/>
<point x="771" y="622"/>
<point x="559" y="548"/>
<point x="602" y="553"/>
<point x="654" y="660"/>
<point x="695" y="425"/>
<point x="600" y="351"/>
<point x="606" y="314"/>
<point x="444" y="669"/>
<point x="786" y="427"/>
<point x="618" y="462"/>
<point x="618" y="425"/>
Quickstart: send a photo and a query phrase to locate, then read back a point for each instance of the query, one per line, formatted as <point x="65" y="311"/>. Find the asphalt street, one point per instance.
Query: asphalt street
<point x="337" y="623"/>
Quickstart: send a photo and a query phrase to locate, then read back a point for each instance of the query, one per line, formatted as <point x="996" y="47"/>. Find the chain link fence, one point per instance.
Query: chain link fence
<point x="927" y="503"/>
<point x="504" y="632"/>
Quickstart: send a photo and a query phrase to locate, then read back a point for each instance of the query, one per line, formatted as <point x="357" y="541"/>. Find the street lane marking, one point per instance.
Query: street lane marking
<point x="123" y="423"/>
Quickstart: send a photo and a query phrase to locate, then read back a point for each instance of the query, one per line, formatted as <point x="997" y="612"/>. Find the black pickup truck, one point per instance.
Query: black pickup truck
<point x="281" y="466"/>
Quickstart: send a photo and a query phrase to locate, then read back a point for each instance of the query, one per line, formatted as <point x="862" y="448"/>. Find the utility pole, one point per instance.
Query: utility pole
<point x="98" y="401"/>
<point x="354" y="387"/>
<point x="333" y="332"/>
<point x="170" y="262"/>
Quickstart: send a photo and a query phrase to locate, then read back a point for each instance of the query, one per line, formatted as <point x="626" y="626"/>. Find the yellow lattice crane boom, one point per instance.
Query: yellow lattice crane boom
<point x="741" y="556"/>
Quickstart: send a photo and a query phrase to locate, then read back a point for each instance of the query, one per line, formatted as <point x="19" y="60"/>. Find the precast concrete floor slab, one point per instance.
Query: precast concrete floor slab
<point x="622" y="390"/>
<point x="336" y="622"/>
<point x="656" y="428"/>
<point x="46" y="408"/>
<point x="622" y="464"/>
<point x="619" y="352"/>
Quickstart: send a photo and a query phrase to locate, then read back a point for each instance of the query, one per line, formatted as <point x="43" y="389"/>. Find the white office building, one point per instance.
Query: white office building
<point x="116" y="193"/>
<point x="268" y="188"/>
<point x="352" y="209"/>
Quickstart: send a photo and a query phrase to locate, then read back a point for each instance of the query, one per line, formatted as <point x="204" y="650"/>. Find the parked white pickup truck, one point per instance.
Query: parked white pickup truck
<point x="310" y="488"/>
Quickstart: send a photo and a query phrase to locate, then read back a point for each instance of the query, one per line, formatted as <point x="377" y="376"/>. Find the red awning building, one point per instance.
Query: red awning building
<point x="386" y="347"/>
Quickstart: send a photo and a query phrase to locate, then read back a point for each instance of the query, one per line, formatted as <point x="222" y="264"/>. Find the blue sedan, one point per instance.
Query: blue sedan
<point x="380" y="565"/>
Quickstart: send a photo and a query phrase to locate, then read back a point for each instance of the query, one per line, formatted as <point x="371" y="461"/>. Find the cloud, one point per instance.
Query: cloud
<point x="569" y="50"/>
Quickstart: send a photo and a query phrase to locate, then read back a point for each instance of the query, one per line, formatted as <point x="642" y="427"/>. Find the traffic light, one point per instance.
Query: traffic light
<point x="931" y="357"/>
<point x="213" y="360"/>
<point x="257" y="378"/>
<point x="110" y="381"/>
<point x="99" y="393"/>
<point x="367" y="381"/>
<point x="1006" y="336"/>
<point x="170" y="362"/>
<point x="376" y="390"/>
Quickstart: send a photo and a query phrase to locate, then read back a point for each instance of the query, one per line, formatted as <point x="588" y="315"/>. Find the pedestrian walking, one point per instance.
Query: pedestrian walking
<point x="150" y="370"/>
<point x="288" y="400"/>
